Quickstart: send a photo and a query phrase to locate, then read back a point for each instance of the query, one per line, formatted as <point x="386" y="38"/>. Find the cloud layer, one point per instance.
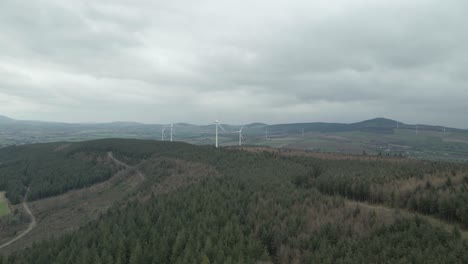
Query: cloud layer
<point x="270" y="61"/>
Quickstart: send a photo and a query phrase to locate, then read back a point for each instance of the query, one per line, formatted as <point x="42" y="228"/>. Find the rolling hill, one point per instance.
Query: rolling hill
<point x="180" y="203"/>
<point x="373" y="136"/>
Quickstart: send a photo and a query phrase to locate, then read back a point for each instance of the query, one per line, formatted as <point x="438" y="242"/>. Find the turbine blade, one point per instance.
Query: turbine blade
<point x="222" y="128"/>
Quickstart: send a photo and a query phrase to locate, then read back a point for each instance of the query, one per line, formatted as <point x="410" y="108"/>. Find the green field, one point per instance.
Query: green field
<point x="4" y="209"/>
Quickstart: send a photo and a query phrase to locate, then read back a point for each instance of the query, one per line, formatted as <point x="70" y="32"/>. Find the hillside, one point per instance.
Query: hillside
<point x="4" y="119"/>
<point x="198" y="204"/>
<point x="48" y="170"/>
<point x="373" y="136"/>
<point x="376" y="125"/>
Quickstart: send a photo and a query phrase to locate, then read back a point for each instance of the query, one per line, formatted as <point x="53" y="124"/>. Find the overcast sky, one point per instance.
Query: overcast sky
<point x="237" y="61"/>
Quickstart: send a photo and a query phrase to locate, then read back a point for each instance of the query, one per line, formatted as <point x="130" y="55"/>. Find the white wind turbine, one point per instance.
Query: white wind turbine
<point x="218" y="125"/>
<point x="172" y="131"/>
<point x="162" y="133"/>
<point x="240" y="135"/>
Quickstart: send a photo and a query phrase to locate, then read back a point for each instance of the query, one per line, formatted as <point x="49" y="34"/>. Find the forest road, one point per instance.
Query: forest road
<point x="111" y="157"/>
<point x="30" y="226"/>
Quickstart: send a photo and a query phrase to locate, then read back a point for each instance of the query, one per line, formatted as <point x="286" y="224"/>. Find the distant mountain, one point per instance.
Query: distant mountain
<point x="377" y="122"/>
<point x="4" y="119"/>
<point x="376" y="125"/>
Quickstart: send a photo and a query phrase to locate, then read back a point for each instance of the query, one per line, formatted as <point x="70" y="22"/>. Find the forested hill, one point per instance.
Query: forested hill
<point x="49" y="169"/>
<point x="265" y="207"/>
<point x="376" y="125"/>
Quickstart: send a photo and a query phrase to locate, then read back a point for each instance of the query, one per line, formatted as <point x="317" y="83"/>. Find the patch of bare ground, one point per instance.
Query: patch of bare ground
<point x="62" y="147"/>
<point x="327" y="156"/>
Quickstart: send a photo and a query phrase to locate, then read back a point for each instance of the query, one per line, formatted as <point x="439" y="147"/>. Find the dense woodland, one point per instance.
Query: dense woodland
<point x="433" y="188"/>
<point x="262" y="208"/>
<point x="48" y="170"/>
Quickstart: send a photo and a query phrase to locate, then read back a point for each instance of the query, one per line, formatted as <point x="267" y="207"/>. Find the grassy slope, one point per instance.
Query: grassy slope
<point x="4" y="209"/>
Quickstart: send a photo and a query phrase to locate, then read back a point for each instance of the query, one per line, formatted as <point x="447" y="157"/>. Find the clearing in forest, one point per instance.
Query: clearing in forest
<point x="4" y="208"/>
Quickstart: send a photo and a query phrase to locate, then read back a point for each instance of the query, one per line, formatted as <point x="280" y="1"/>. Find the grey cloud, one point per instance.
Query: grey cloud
<point x="258" y="61"/>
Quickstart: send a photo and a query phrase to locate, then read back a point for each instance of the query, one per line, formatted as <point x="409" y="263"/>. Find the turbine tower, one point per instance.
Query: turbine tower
<point x="172" y="131"/>
<point x="162" y="133"/>
<point x="240" y="136"/>
<point x="218" y="125"/>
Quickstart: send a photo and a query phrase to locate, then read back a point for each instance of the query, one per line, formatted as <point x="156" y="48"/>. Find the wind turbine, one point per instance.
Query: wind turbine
<point x="240" y="136"/>
<point x="218" y="125"/>
<point x="172" y="131"/>
<point x="162" y="133"/>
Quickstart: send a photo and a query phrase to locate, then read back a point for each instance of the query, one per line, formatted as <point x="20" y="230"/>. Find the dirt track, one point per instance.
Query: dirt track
<point x="111" y="156"/>
<point x="100" y="187"/>
<point x="30" y="226"/>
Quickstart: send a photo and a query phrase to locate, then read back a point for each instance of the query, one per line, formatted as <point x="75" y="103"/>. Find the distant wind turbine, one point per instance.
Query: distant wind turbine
<point x="240" y="136"/>
<point x="218" y="125"/>
<point x="172" y="131"/>
<point x="162" y="134"/>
